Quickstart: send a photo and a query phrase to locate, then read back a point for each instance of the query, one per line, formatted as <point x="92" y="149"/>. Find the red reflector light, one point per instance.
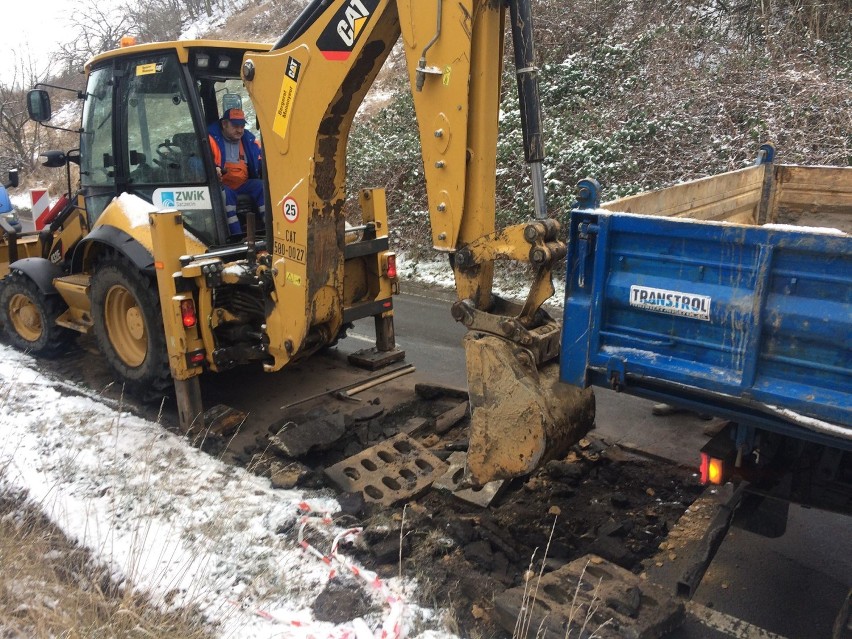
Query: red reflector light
<point x="197" y="357"/>
<point x="712" y="470"/>
<point x="187" y="313"/>
<point x="392" y="266"/>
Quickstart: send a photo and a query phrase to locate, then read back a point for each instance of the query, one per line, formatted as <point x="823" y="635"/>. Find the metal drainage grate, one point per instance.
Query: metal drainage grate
<point x="388" y="472"/>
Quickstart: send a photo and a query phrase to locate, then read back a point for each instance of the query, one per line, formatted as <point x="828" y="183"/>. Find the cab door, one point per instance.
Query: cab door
<point x="158" y="146"/>
<point x="97" y="155"/>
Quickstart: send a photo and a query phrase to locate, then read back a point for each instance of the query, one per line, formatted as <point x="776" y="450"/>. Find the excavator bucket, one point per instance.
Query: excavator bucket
<point x="521" y="415"/>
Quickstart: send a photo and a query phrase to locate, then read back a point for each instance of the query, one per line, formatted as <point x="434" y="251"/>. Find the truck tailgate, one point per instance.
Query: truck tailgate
<point x="751" y="323"/>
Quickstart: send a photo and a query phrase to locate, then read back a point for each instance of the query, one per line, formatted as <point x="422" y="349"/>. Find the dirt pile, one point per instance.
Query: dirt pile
<point x="598" y="499"/>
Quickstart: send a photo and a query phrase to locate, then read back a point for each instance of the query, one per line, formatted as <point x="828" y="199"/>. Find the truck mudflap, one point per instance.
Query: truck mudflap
<point x="745" y="322"/>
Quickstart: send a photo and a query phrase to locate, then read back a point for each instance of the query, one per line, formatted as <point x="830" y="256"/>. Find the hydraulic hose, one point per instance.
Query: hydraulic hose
<point x="520" y="14"/>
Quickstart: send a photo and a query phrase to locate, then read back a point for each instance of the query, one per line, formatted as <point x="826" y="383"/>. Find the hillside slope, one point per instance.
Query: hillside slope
<point x="636" y="94"/>
<point x="641" y="95"/>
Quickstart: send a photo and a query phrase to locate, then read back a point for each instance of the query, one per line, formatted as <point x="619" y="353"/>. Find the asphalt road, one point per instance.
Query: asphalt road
<point x="792" y="586"/>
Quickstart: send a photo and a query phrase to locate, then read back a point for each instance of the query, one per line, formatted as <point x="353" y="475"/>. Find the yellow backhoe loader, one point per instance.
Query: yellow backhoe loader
<point x="168" y="293"/>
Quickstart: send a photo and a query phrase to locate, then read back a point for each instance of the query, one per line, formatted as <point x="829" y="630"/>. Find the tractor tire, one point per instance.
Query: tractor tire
<point x="29" y="317"/>
<point x="129" y="328"/>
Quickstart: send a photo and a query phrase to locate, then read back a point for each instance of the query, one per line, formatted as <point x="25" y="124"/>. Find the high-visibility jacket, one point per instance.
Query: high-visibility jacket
<point x="235" y="174"/>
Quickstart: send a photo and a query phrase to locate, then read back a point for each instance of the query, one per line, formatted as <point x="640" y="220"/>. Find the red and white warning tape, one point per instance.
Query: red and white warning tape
<point x="392" y="627"/>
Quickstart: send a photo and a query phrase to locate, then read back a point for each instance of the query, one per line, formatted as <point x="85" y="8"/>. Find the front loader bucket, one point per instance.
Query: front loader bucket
<point x="521" y="416"/>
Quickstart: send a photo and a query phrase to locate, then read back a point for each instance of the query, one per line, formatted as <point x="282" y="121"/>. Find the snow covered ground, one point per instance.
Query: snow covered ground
<point x="180" y="524"/>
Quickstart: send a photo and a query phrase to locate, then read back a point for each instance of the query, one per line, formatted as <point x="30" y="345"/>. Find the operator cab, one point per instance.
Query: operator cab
<point x="144" y="132"/>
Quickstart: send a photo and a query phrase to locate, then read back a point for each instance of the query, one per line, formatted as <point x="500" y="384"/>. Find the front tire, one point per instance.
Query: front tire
<point x="29" y="316"/>
<point x="129" y="328"/>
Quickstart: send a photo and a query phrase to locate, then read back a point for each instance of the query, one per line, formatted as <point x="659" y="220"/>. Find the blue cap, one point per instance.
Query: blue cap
<point x="236" y="116"/>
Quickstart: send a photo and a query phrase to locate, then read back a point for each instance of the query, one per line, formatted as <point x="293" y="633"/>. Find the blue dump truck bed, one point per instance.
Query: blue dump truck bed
<point x="753" y="323"/>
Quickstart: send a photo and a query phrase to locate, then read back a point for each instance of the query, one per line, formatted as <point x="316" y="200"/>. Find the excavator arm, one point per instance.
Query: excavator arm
<point x="306" y="91"/>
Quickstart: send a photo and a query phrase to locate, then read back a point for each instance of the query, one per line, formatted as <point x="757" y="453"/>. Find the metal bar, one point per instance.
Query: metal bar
<point x="343" y="388"/>
<point x="726" y="624"/>
<point x="367" y="309"/>
<point x="189" y="405"/>
<point x="380" y="380"/>
<point x="366" y="247"/>
<point x="385" y="335"/>
<point x="750" y="350"/>
<point x="679" y="567"/>
<point x="226" y="252"/>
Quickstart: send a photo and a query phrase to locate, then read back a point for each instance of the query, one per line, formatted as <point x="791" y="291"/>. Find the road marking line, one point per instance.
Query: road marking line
<point x="360" y="338"/>
<point x="726" y="624"/>
<point x="372" y="340"/>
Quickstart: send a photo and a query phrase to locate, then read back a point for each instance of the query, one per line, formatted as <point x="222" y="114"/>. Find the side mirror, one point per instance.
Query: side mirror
<point x="13" y="178"/>
<point x="53" y="159"/>
<point x="38" y="105"/>
<point x="231" y="101"/>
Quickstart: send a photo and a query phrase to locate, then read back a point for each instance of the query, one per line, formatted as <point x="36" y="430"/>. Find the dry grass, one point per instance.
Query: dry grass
<point x="581" y="618"/>
<point x="50" y="587"/>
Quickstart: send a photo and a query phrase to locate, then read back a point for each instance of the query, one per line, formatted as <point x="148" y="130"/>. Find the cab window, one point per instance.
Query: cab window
<point x="162" y="149"/>
<point x="162" y="144"/>
<point x="97" y="168"/>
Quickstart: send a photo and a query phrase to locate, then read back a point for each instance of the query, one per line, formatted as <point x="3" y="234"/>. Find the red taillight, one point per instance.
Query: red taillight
<point x="187" y="313"/>
<point x="197" y="357"/>
<point x="712" y="470"/>
<point x="391" y="268"/>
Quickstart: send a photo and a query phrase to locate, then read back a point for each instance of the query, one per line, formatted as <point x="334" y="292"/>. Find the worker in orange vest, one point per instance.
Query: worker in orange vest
<point x="236" y="154"/>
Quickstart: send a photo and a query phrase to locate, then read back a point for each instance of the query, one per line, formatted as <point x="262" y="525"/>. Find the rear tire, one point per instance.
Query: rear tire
<point x="129" y="328"/>
<point x="29" y="317"/>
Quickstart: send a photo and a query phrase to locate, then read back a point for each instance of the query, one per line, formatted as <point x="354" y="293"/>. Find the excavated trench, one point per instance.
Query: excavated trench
<point x="394" y="454"/>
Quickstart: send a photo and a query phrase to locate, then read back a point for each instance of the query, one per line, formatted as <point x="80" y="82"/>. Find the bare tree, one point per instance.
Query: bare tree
<point x="98" y="29"/>
<point x="762" y="20"/>
<point x="19" y="138"/>
<point x="195" y="7"/>
<point x="155" y="20"/>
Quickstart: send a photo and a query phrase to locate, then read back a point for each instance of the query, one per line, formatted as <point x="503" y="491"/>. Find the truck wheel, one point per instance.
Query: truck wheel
<point x="129" y="327"/>
<point x="29" y="316"/>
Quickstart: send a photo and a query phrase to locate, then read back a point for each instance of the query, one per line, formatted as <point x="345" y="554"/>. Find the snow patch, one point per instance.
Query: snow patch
<point x="811" y="423"/>
<point x="634" y="352"/>
<point x="804" y="229"/>
<point x="169" y="518"/>
<point x="135" y="209"/>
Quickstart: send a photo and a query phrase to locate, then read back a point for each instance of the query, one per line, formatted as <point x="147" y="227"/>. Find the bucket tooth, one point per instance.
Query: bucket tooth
<point x="521" y="416"/>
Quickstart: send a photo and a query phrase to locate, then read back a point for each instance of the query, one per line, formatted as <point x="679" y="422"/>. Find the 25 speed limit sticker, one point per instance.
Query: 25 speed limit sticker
<point x="291" y="210"/>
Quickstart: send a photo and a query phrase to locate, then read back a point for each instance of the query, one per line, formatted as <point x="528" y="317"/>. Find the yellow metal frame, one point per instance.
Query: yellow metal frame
<point x="181" y="47"/>
<point x="305" y="101"/>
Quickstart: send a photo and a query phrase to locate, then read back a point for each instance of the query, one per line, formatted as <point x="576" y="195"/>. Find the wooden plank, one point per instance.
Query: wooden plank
<point x="740" y="206"/>
<point x="803" y="188"/>
<point x="727" y="197"/>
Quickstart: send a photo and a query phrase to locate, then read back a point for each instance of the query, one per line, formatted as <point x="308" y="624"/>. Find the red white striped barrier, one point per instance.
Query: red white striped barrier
<point x="40" y="199"/>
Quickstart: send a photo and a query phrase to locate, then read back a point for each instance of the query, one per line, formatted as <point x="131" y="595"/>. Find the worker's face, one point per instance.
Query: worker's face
<point x="232" y="132"/>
